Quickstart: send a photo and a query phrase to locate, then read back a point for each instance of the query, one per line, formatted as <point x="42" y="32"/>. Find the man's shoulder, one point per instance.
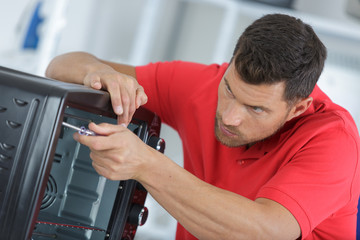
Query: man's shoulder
<point x="334" y="122"/>
<point x="324" y="114"/>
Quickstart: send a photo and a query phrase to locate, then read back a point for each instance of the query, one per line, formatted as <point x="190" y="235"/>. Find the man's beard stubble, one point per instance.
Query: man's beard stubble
<point x="242" y="141"/>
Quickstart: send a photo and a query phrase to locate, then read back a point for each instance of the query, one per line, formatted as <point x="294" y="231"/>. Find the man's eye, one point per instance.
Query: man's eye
<point x="228" y="91"/>
<point x="257" y="109"/>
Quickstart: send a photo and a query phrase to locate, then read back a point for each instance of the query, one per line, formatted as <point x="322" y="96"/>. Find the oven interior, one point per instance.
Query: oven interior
<point x="78" y="202"/>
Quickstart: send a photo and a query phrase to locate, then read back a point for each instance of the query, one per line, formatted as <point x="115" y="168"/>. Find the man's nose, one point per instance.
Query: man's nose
<point x="232" y="116"/>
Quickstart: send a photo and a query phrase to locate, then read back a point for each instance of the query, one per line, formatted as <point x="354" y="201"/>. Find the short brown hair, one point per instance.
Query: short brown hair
<point x="277" y="48"/>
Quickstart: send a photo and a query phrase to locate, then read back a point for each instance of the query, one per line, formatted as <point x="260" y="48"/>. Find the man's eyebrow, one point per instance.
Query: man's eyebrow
<point x="262" y="107"/>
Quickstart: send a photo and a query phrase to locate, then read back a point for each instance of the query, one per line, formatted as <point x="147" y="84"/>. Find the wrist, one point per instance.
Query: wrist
<point x="154" y="169"/>
<point x="93" y="66"/>
<point x="160" y="173"/>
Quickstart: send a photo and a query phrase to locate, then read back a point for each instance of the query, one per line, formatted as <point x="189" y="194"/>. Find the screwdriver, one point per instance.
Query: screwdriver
<point x="81" y="130"/>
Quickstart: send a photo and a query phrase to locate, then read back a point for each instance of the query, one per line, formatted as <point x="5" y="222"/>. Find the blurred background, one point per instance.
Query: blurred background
<point x="140" y="31"/>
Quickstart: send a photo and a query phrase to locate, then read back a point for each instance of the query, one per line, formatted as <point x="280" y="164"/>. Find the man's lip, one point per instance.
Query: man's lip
<point x="226" y="131"/>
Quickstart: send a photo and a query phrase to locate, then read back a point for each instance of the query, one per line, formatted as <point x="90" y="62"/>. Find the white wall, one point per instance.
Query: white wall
<point x="140" y="31"/>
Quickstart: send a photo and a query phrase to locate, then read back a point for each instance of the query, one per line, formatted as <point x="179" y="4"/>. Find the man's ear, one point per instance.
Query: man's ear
<point x="300" y="107"/>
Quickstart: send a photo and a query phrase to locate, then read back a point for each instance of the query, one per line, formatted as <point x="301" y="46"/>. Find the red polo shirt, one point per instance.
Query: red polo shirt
<point x="310" y="166"/>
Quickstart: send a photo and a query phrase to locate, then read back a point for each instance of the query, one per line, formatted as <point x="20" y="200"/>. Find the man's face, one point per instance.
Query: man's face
<point x="248" y="113"/>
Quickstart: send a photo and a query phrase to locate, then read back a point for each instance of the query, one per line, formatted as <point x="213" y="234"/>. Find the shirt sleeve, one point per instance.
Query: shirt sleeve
<point x="171" y="85"/>
<point x="321" y="177"/>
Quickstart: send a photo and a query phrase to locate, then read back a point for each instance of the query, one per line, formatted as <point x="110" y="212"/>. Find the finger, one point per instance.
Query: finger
<point x="93" y="81"/>
<point x="115" y="96"/>
<point x="126" y="102"/>
<point x="141" y="97"/>
<point x="129" y="101"/>
<point x="131" y="108"/>
<point x="96" y="143"/>
<point x="126" y="117"/>
<point x="84" y="140"/>
<point x="96" y="84"/>
<point x="107" y="173"/>
<point x="101" y="170"/>
<point x="132" y="105"/>
<point x="121" y="120"/>
<point x="105" y="129"/>
<point x="105" y="165"/>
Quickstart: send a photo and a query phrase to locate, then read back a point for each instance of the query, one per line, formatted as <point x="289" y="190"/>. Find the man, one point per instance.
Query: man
<point x="282" y="162"/>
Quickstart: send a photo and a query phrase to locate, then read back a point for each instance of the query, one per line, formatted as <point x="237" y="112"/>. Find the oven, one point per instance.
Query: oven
<point x="48" y="187"/>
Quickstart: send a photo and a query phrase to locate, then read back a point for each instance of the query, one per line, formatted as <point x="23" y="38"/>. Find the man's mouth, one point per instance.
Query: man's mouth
<point x="226" y="131"/>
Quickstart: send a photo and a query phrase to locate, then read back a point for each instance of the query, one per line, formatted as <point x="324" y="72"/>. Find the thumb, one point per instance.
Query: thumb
<point x="93" y="80"/>
<point x="96" y="84"/>
<point x="141" y="97"/>
<point x="106" y="129"/>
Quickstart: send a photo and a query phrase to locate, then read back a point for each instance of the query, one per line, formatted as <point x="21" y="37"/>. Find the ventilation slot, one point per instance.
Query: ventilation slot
<point x="4" y="158"/>
<point x="20" y="102"/>
<point x="13" y="124"/>
<point x="57" y="157"/>
<point x="6" y="147"/>
<point x="2" y="109"/>
<point x="2" y="170"/>
<point x="50" y="194"/>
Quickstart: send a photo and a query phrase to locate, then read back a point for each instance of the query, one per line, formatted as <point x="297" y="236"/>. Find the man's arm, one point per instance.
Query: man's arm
<point x="74" y="66"/>
<point x="209" y="212"/>
<point x="206" y="211"/>
<point x="118" y="79"/>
